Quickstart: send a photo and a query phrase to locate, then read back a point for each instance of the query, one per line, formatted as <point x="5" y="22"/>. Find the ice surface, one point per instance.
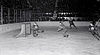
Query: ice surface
<point x="51" y="42"/>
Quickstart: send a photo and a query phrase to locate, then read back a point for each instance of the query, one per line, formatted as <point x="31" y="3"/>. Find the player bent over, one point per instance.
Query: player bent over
<point x="36" y="29"/>
<point x="94" y="30"/>
<point x="63" y="27"/>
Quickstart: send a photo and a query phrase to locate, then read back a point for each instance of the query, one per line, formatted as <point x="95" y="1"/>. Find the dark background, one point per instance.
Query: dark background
<point x="86" y="9"/>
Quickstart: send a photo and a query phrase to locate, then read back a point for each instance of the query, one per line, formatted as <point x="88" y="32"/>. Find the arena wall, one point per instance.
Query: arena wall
<point x="10" y="27"/>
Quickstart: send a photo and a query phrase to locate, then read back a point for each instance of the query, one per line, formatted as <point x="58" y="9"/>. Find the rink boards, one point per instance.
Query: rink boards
<point x="10" y="27"/>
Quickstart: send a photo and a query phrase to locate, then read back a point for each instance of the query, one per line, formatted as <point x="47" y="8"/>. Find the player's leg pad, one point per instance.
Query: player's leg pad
<point x="66" y="35"/>
<point x="35" y="33"/>
<point x="40" y="31"/>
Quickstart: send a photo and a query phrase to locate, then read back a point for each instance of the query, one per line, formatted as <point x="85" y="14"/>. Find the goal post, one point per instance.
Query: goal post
<point x="25" y="30"/>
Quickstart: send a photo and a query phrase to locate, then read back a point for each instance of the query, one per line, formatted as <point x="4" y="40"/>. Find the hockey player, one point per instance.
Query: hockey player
<point x="71" y="23"/>
<point x="94" y="29"/>
<point x="62" y="27"/>
<point x="36" y="29"/>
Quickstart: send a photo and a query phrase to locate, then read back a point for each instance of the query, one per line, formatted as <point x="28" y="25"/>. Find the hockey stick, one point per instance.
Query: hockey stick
<point x="97" y="22"/>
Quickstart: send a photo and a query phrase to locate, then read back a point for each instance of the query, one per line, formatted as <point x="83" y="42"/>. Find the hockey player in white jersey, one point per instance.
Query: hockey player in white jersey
<point x="62" y="27"/>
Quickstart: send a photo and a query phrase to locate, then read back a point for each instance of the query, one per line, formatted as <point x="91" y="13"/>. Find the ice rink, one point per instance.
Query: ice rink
<point x="47" y="18"/>
<point x="51" y="42"/>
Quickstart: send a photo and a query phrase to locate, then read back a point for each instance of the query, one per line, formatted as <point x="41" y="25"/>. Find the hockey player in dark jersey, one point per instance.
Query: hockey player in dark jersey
<point x="71" y="23"/>
<point x="62" y="27"/>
